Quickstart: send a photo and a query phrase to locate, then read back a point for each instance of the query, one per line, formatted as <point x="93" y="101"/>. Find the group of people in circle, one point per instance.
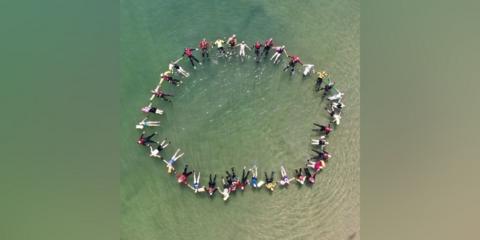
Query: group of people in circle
<point x="231" y="182"/>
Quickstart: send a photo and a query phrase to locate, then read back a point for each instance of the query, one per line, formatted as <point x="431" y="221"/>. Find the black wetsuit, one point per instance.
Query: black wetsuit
<point x="245" y="177"/>
<point x="185" y="173"/>
<point x="318" y="84"/>
<point x="144" y="140"/>
<point x="269" y="180"/>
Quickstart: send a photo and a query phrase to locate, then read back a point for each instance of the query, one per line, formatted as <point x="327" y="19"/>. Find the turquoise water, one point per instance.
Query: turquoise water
<point x="233" y="113"/>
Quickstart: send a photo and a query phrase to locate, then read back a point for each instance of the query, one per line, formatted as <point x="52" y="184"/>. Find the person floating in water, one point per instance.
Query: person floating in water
<point x="183" y="177"/>
<point x="293" y="61"/>
<point x="321" y="76"/>
<point x="173" y="159"/>
<point x="269" y="183"/>
<point x="144" y="123"/>
<point x="150" y="109"/>
<point x="321" y="142"/>
<point x="317" y="166"/>
<point x="309" y="176"/>
<point x="336" y="97"/>
<point x="219" y="44"/>
<point x="155" y="152"/>
<point x="323" y="155"/>
<point x="212" y="188"/>
<point x="196" y="183"/>
<point x="242" y="46"/>
<point x="257" y="46"/>
<point x="174" y="67"/>
<point x="159" y="93"/>
<point x="244" y="180"/>
<point x="328" y="87"/>
<point x="308" y="68"/>
<point x="232" y="180"/>
<point x="267" y="46"/>
<point x="336" y="106"/>
<point x="278" y="53"/>
<point x="284" y="180"/>
<point x="167" y="76"/>
<point x="299" y="177"/>
<point x="322" y="128"/>
<point x="254" y="182"/>
<point x="335" y="117"/>
<point x="188" y="52"/>
<point x="232" y="41"/>
<point x="226" y="190"/>
<point x="204" y="45"/>
<point x="142" y="140"/>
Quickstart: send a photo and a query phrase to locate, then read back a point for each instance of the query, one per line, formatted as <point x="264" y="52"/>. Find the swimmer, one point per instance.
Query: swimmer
<point x="174" y="67"/>
<point x="150" y="109"/>
<point x="232" y="176"/>
<point x="189" y="53"/>
<point x="226" y="190"/>
<point x="232" y="41"/>
<point x="159" y="93"/>
<point x="166" y="76"/>
<point x="284" y="180"/>
<point x="320" y="142"/>
<point x="336" y="107"/>
<point x="242" y="46"/>
<point x="212" y="188"/>
<point x="299" y="177"/>
<point x="254" y="181"/>
<point x="335" y="117"/>
<point x="269" y="184"/>
<point x="155" y="152"/>
<point x="196" y="184"/>
<point x="328" y="88"/>
<point x="317" y="166"/>
<point x="323" y="155"/>
<point x="321" y="75"/>
<point x="219" y="43"/>
<point x="336" y="97"/>
<point x="267" y="46"/>
<point x="293" y="61"/>
<point x="278" y="53"/>
<point x="204" y="45"/>
<point x="257" y="47"/>
<point x="145" y="123"/>
<point x="308" y="69"/>
<point x="244" y="180"/>
<point x="173" y="159"/>
<point x="322" y="128"/>
<point x="232" y="180"/>
<point x="183" y="177"/>
<point x="142" y="140"/>
<point x="309" y="176"/>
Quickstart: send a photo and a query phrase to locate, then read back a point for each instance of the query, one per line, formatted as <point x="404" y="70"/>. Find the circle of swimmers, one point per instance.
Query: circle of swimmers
<point x="231" y="182"/>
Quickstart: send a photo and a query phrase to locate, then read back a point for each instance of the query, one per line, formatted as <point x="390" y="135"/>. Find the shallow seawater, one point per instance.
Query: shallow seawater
<point x="234" y="113"/>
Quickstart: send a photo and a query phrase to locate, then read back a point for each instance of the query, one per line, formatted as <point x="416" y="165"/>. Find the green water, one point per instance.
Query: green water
<point x="230" y="113"/>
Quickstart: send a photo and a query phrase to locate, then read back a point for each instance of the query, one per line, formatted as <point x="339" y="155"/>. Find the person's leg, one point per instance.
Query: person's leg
<point x="185" y="169"/>
<point x="273" y="56"/>
<point x="188" y="174"/>
<point x="194" y="58"/>
<point x="191" y="61"/>
<point x="246" y="176"/>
